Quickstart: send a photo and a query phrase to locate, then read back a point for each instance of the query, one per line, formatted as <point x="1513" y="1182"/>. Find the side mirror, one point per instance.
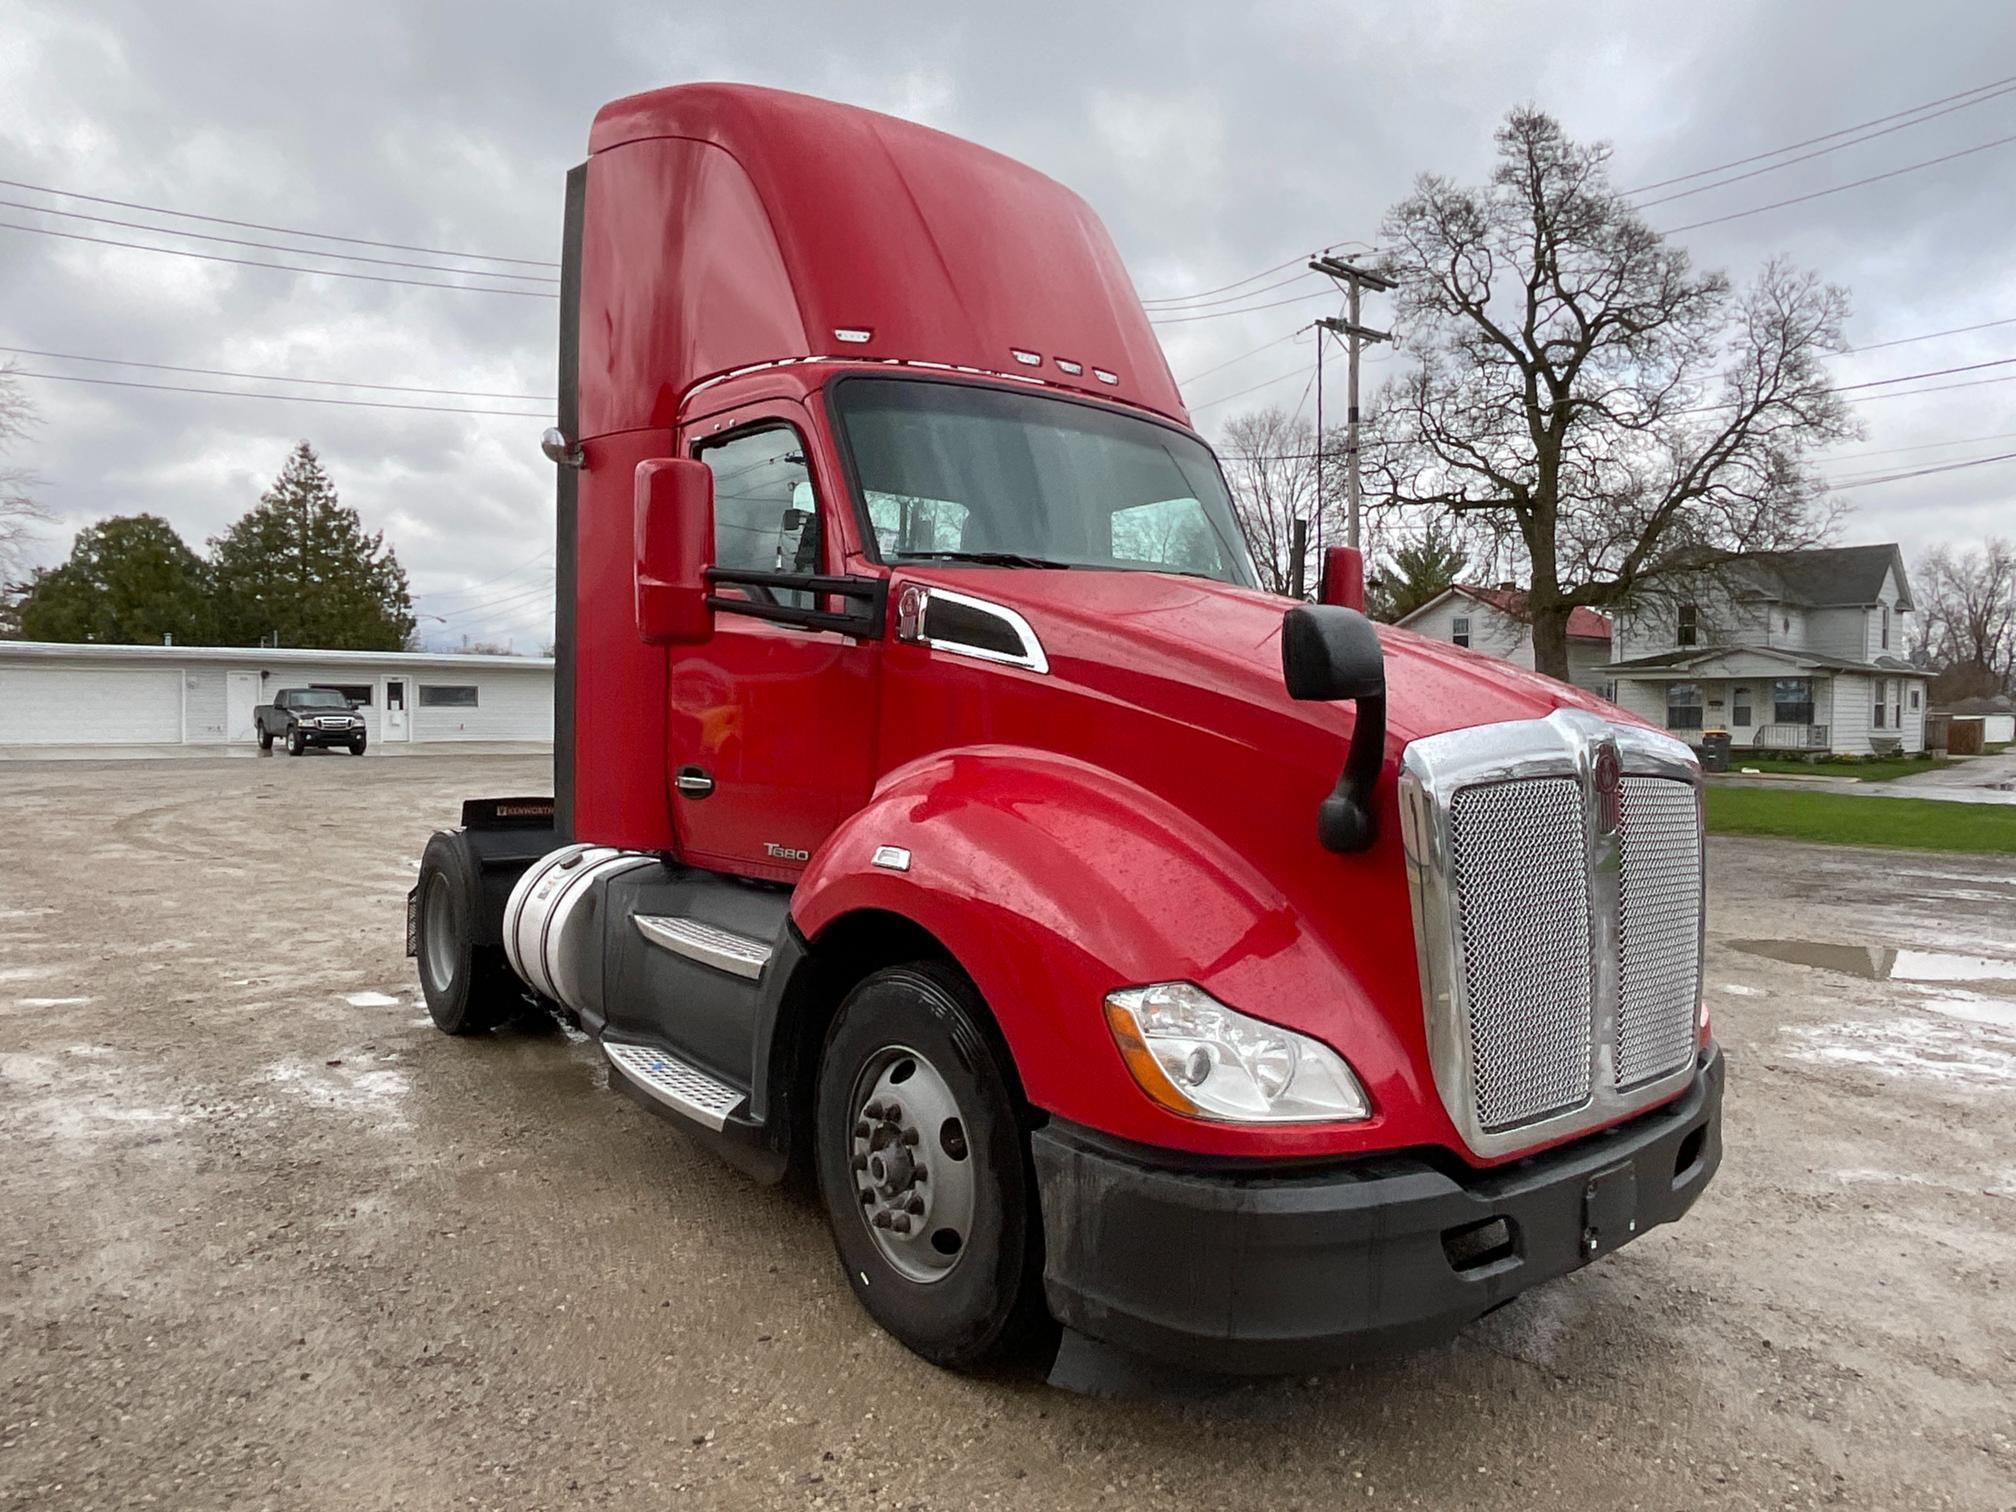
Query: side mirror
<point x="1332" y="653"/>
<point x="1343" y="577"/>
<point x="674" y="503"/>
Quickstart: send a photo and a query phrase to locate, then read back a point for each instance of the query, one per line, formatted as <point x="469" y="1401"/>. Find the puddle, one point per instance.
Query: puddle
<point x="1882" y="963"/>
<point x="1974" y="1008"/>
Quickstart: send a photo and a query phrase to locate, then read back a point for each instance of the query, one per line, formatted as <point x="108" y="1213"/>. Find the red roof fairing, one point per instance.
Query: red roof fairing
<point x="729" y="225"/>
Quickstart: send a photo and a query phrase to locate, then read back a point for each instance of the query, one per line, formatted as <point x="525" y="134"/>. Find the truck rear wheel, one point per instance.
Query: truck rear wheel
<point x="925" y="1172"/>
<point x="469" y="987"/>
<point x="265" y="740"/>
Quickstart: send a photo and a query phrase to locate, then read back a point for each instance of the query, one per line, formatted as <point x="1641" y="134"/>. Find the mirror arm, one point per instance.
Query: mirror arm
<point x="1344" y="820"/>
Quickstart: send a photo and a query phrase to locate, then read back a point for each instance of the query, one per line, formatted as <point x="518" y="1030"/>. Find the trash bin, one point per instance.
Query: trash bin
<point x="1714" y="750"/>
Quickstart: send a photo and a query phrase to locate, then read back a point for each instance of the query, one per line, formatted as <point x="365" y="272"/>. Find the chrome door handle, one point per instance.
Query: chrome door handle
<point x="693" y="782"/>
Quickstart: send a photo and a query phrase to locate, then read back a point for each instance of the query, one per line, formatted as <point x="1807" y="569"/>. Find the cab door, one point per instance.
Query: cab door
<point x="771" y="725"/>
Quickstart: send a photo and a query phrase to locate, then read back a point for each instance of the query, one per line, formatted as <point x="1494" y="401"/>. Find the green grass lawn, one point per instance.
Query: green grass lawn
<point x="1845" y="819"/>
<point x="1885" y="769"/>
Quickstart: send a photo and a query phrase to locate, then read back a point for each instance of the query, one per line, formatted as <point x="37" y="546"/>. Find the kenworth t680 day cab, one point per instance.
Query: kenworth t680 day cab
<point x="941" y="808"/>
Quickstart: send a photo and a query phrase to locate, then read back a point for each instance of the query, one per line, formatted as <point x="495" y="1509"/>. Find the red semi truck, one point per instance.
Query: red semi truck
<point x="942" y="809"/>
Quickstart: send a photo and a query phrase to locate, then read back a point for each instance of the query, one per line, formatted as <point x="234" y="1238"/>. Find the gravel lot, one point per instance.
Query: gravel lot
<point x="269" y="1240"/>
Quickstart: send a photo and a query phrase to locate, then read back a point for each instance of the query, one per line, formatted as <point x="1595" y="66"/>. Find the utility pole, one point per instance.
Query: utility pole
<point x="1356" y="338"/>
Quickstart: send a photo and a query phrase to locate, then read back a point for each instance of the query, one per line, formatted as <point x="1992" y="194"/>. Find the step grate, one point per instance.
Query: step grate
<point x="681" y="1087"/>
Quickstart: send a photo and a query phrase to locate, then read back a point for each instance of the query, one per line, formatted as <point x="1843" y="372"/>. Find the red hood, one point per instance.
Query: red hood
<point x="1202" y="635"/>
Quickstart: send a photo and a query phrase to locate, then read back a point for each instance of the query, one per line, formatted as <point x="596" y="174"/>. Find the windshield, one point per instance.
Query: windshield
<point x="952" y="472"/>
<point x="317" y="699"/>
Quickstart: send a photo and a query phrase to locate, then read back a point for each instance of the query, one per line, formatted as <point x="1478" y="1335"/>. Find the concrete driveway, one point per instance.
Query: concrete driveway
<point x="269" y="1240"/>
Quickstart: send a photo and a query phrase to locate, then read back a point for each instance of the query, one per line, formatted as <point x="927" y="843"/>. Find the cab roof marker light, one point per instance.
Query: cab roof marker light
<point x="851" y="333"/>
<point x="1027" y="359"/>
<point x="1105" y="377"/>
<point x="1073" y="368"/>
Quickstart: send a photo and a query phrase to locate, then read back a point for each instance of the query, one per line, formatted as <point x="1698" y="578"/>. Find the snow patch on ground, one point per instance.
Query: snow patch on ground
<point x="1738" y="989"/>
<point x="1917" y="1048"/>
<point x="24" y="913"/>
<point x="25" y="973"/>
<point x="52" y="1002"/>
<point x="371" y="1000"/>
<point x="374" y="1095"/>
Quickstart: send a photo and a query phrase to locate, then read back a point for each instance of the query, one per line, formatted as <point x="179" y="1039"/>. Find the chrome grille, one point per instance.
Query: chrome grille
<point x="1658" y="928"/>
<point x="1522" y="884"/>
<point x="1560" y="954"/>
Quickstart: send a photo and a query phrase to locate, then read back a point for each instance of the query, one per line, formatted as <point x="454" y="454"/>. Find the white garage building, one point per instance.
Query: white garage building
<point x="54" y="694"/>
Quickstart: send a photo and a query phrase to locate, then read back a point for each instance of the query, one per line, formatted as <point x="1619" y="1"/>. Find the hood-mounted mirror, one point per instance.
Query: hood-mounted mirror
<point x="1332" y="654"/>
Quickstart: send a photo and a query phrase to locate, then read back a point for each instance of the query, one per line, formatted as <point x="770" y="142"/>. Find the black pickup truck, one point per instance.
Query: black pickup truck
<point x="304" y="717"/>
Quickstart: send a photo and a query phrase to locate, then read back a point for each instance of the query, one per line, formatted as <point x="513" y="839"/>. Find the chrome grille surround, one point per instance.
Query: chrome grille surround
<point x="1547" y="1010"/>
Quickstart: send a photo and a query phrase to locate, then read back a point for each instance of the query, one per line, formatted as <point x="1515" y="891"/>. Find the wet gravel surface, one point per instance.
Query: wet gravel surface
<point x="268" y="1240"/>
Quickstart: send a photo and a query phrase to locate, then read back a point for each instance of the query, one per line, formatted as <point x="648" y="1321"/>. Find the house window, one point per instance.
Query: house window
<point x="1688" y="631"/>
<point x="1914" y="699"/>
<point x="1882" y="699"/>
<point x="1683" y="706"/>
<point x="1897" y="704"/>
<point x="1739" y="707"/>
<point x="1886" y="627"/>
<point x="1459" y="630"/>
<point x="357" y="693"/>
<point x="1792" y="700"/>
<point x="447" y="696"/>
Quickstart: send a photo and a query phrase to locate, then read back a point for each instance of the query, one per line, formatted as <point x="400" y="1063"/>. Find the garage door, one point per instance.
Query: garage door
<point x="86" y="706"/>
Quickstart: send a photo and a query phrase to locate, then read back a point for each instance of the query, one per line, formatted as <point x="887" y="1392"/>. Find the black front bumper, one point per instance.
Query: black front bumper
<point x="1223" y="1270"/>
<point x="331" y="737"/>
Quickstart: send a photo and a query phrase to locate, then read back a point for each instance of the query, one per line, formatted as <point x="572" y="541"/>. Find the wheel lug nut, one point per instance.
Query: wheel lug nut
<point x="917" y="1173"/>
<point x="910" y="1136"/>
<point x="863" y="1129"/>
<point x="860" y="1162"/>
<point x="873" y="1110"/>
<point x="883" y="1220"/>
<point x="915" y="1204"/>
<point x="900" y="1223"/>
<point x="893" y="1112"/>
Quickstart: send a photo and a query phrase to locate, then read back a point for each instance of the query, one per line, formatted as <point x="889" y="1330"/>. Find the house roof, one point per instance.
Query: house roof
<point x="2001" y="703"/>
<point x="1828" y="577"/>
<point x="1583" y="624"/>
<point x="1819" y="661"/>
<point x="273" y="655"/>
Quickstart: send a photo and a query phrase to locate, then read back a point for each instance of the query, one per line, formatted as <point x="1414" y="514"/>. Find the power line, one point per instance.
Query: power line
<point x="179" y="388"/>
<point x="1222" y="288"/>
<point x="1241" y="393"/>
<point x="1228" y="362"/>
<point x="1924" y="472"/>
<point x="503" y="601"/>
<point x="1892" y="451"/>
<point x="1759" y="157"/>
<point x="1971" y="367"/>
<point x="1206" y="304"/>
<point x="1807" y="157"/>
<point x="166" y="367"/>
<point x="1246" y="310"/>
<point x="239" y="241"/>
<point x="1877" y="346"/>
<point x="474" y="588"/>
<point x="246" y="262"/>
<point x="1874" y="178"/>
<point x="219" y="220"/>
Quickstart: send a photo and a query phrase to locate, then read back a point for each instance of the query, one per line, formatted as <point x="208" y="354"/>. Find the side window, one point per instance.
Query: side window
<point x="765" y="516"/>
<point x="1169" y="533"/>
<point x="1688" y="631"/>
<point x="1459" y="630"/>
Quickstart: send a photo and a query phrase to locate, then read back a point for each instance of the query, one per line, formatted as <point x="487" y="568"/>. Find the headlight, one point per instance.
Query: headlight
<point x="1197" y="1057"/>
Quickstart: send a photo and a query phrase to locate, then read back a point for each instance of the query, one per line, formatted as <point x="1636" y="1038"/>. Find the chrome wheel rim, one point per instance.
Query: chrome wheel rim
<point x="914" y="1177"/>
<point x="437" y="920"/>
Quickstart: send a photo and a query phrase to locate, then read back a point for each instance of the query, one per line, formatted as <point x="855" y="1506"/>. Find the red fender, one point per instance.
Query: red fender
<point x="1052" y="881"/>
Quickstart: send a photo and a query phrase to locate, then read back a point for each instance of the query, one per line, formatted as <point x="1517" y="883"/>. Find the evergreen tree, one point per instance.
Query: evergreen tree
<point x="130" y="580"/>
<point x="300" y="566"/>
<point x="1416" y="572"/>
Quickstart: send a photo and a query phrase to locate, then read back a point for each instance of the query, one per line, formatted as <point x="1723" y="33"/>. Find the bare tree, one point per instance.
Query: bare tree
<point x="1966" y="619"/>
<point x="1585" y="394"/>
<point x="19" y="512"/>
<point x="1269" y="458"/>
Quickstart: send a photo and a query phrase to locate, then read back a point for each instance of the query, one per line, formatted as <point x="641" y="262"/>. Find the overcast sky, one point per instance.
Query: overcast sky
<point x="1214" y="140"/>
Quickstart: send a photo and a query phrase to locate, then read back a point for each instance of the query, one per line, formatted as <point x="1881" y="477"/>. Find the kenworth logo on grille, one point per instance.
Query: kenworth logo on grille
<point x="1608" y="779"/>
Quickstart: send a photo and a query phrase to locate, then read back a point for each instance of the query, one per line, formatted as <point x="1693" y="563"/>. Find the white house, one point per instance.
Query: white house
<point x="59" y="694"/>
<point x="1493" y="620"/>
<point x="1790" y="650"/>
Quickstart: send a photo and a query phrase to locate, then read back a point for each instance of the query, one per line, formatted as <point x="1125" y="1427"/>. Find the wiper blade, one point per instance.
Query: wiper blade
<point x="986" y="558"/>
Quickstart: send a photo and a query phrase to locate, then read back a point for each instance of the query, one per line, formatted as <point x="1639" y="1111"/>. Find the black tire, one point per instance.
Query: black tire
<point x="265" y="739"/>
<point x="357" y="746"/>
<point x="987" y="1308"/>
<point x="295" y="744"/>
<point x="469" y="987"/>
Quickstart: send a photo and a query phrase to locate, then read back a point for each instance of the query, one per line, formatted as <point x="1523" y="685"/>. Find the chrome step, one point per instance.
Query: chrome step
<point x="684" y="1089"/>
<point x="738" y="955"/>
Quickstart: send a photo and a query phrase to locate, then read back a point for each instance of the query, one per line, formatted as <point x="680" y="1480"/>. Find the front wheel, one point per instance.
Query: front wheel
<point x="357" y="746"/>
<point x="925" y="1172"/>
<point x="295" y="744"/>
